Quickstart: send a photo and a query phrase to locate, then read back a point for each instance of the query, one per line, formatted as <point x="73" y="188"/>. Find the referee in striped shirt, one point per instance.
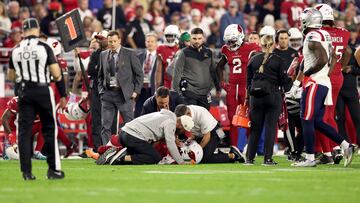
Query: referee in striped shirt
<point x="32" y="62"/>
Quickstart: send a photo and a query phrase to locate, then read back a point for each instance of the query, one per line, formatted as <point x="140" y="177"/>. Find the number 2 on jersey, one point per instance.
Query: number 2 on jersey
<point x="237" y="65"/>
<point x="70" y="26"/>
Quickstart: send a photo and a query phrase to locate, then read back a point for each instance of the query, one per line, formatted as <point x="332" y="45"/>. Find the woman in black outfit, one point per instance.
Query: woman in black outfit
<point x="266" y="77"/>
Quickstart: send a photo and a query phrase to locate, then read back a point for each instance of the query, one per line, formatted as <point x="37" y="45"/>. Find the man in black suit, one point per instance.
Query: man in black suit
<point x="163" y="99"/>
<point x="120" y="82"/>
<point x="148" y="60"/>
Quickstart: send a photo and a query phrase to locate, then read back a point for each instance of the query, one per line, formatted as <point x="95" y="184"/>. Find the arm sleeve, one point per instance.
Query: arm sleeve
<point x="178" y="70"/>
<point x="60" y="85"/>
<point x="169" y="131"/>
<point x="138" y="73"/>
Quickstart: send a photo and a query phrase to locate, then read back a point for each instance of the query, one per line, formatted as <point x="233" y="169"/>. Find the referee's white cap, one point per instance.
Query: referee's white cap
<point x="30" y="23"/>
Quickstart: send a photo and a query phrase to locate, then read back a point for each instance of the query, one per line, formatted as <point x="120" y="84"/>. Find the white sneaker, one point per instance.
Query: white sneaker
<point x="305" y="163"/>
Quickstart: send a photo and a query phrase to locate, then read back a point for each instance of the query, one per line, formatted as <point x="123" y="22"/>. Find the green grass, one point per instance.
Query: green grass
<point x="87" y="182"/>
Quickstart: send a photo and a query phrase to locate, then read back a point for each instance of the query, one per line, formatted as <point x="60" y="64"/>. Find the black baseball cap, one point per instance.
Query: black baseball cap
<point x="30" y="23"/>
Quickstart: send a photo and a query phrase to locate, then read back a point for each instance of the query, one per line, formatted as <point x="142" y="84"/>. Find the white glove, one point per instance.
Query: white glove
<point x="292" y="93"/>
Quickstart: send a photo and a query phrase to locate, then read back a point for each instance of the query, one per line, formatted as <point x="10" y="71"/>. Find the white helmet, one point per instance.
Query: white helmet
<point x="55" y="45"/>
<point x="172" y="35"/>
<point x="295" y="38"/>
<point x="12" y="152"/>
<point x="233" y="36"/>
<point x="311" y="18"/>
<point x="76" y="111"/>
<point x="326" y="11"/>
<point x="191" y="151"/>
<point x="267" y="30"/>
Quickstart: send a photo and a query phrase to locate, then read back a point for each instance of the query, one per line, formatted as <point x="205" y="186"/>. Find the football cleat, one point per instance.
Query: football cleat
<point x="304" y="163"/>
<point x="69" y="150"/>
<point x="118" y="158"/>
<point x="337" y="156"/>
<point x="325" y="160"/>
<point x="238" y="155"/>
<point x="349" y="155"/>
<point x="106" y="156"/>
<point x="39" y="156"/>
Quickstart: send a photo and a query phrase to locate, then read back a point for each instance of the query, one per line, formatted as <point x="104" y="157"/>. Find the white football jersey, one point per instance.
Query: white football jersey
<point x="310" y="59"/>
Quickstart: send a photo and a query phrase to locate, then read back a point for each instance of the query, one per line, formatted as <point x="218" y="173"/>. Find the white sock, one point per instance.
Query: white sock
<point x="336" y="148"/>
<point x="344" y="144"/>
<point x="310" y="157"/>
<point x="328" y="154"/>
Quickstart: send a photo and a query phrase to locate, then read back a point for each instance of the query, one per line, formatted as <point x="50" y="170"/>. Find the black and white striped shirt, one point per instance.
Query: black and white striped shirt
<point x="31" y="60"/>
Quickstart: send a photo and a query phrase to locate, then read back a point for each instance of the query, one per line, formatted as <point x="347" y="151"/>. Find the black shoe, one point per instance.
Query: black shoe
<point x="69" y="150"/>
<point x="52" y="175"/>
<point x="337" y="156"/>
<point x="28" y="176"/>
<point x="269" y="162"/>
<point x="106" y="156"/>
<point x="118" y="158"/>
<point x="249" y="162"/>
<point x="325" y="160"/>
<point x="238" y="155"/>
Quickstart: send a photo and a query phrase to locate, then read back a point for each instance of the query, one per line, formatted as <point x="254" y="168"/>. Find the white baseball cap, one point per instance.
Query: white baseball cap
<point x="187" y="122"/>
<point x="195" y="12"/>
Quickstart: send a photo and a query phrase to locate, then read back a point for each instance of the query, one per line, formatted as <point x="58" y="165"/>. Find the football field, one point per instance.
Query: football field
<point x="230" y="183"/>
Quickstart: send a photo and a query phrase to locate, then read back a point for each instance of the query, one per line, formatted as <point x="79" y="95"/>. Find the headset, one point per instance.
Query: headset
<point x="280" y="32"/>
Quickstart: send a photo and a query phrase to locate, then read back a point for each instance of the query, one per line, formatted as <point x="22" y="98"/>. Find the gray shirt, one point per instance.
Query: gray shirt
<point x="154" y="127"/>
<point x="197" y="67"/>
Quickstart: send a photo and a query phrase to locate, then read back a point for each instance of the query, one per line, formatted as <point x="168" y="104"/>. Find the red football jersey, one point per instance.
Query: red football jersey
<point x="340" y="38"/>
<point x="166" y="54"/>
<point x="238" y="60"/>
<point x="293" y="11"/>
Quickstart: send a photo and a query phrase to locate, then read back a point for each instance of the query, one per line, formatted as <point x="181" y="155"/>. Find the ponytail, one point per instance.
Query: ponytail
<point x="266" y="42"/>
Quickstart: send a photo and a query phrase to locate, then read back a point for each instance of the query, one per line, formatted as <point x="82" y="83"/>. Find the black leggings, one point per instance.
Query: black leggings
<point x="265" y="112"/>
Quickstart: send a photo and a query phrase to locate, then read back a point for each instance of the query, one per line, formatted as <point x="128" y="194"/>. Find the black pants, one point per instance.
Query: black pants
<point x="144" y="95"/>
<point x="37" y="100"/>
<point x="293" y="140"/>
<point x="265" y="112"/>
<point x="208" y="150"/>
<point x="96" y="117"/>
<point x="351" y="100"/>
<point x="191" y="98"/>
<point x="141" y="152"/>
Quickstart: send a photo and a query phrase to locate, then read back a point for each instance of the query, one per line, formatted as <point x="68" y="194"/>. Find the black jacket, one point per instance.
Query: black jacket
<point x="151" y="106"/>
<point x="274" y="71"/>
